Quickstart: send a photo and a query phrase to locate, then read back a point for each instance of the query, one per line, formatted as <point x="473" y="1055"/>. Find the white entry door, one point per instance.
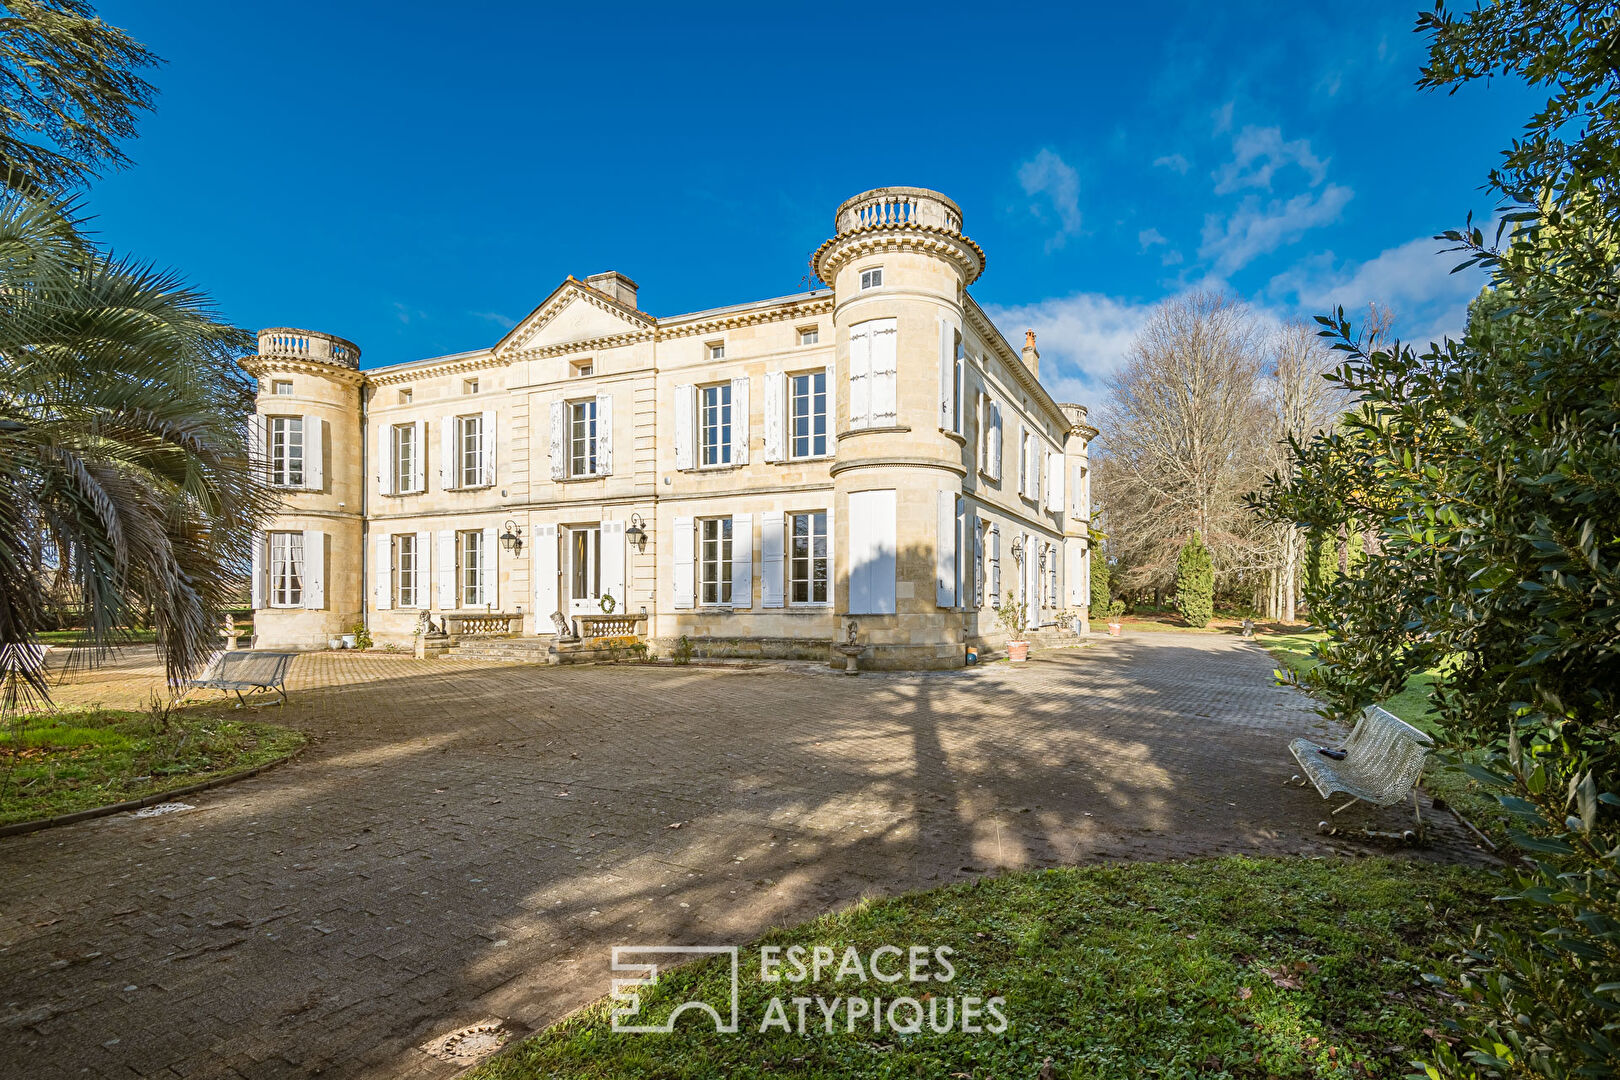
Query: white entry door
<point x="584" y="572"/>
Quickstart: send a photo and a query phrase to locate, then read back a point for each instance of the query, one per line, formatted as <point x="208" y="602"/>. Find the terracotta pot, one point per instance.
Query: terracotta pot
<point x="1018" y="651"/>
<point x="1113" y="629"/>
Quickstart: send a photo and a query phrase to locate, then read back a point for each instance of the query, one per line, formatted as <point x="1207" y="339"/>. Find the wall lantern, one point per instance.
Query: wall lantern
<point x="1017" y="550"/>
<point x="637" y="532"/>
<point x="512" y="538"/>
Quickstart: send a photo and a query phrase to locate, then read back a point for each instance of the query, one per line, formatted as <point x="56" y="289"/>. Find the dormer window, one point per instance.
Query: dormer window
<point x="469" y="386"/>
<point x="872" y="278"/>
<point x="717" y="350"/>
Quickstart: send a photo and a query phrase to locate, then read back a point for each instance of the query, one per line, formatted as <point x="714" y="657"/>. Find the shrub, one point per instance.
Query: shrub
<point x="362" y="636"/>
<point x="682" y="653"/>
<point x="1099" y="582"/>
<point x="1011" y="614"/>
<point x="1195" y="583"/>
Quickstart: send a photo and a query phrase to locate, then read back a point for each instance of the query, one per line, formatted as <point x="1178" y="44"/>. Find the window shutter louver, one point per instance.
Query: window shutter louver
<point x="385" y="459"/>
<point x="860" y="370"/>
<point x="684" y="572"/>
<point x="382" y="573"/>
<point x="559" y="440"/>
<point x="314" y="569"/>
<point x="487" y="473"/>
<point x="945" y="551"/>
<point x="545" y="576"/>
<point x="872" y="552"/>
<point x="995" y="441"/>
<point x="1076" y="573"/>
<point x="489" y="577"/>
<point x="446" y="569"/>
<point x="449" y="459"/>
<point x="256" y="445"/>
<point x="775" y="416"/>
<point x="742" y="560"/>
<point x="257" y="558"/>
<point x="947" y="375"/>
<point x="314" y="458"/>
<point x="613" y="558"/>
<point x="739" y="420"/>
<point x="995" y="565"/>
<point x="772" y="545"/>
<point x="604" y="435"/>
<point x="1054" y="483"/>
<point x="419" y="457"/>
<point x="830" y="372"/>
<point x="419" y="573"/>
<point x="685" y="425"/>
<point x="978" y="564"/>
<point x="884" y="367"/>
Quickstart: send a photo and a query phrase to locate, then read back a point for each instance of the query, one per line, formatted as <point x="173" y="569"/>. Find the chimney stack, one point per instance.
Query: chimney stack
<point x="615" y="285"/>
<point x="1032" y="359"/>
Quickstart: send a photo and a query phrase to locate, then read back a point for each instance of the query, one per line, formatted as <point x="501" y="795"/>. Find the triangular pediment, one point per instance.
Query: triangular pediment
<point x="575" y="312"/>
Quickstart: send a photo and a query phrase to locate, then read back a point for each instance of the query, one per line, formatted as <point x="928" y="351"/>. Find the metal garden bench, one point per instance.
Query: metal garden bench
<point x="247" y="671"/>
<point x="1383" y="760"/>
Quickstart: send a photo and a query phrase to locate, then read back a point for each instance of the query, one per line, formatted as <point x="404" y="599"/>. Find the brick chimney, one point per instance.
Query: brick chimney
<point x="615" y="285"/>
<point x="1032" y="359"/>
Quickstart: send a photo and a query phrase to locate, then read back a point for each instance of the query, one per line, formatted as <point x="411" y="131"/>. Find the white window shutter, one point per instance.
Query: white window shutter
<point x="604" y="437"/>
<point x="1023" y="461"/>
<point x="559" y="440"/>
<point x="742" y="560"/>
<point x="545" y="576"/>
<point x="314" y="459"/>
<point x="872" y="552"/>
<point x="256" y="444"/>
<point x="995" y="565"/>
<point x="685" y="424"/>
<point x="947" y="375"/>
<point x="978" y="564"/>
<point x="964" y="548"/>
<point x="488" y="474"/>
<point x="945" y="551"/>
<point x="685" y="568"/>
<point x="314" y="569"/>
<point x="1054" y="482"/>
<point x="613" y="550"/>
<point x="775" y="416"/>
<point x="257" y="569"/>
<point x="884" y="368"/>
<point x="739" y="420"/>
<point x="449" y="459"/>
<point x="772" y="545"/>
<point x="831" y="371"/>
<point x="383" y="572"/>
<point x="995" y="441"/>
<point x="419" y="459"/>
<point x="446" y="569"/>
<point x="419" y="577"/>
<point x="489" y="575"/>
<point x="1077" y="573"/>
<point x="860" y="371"/>
<point x="385" y="459"/>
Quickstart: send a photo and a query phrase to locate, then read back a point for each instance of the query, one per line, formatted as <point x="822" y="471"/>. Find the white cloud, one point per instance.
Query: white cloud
<point x="502" y="321"/>
<point x="1081" y="337"/>
<point x="1149" y="237"/>
<point x="1257" y="154"/>
<point x="1223" y="117"/>
<point x="1253" y="229"/>
<point x="1177" y="162"/>
<point x="1049" y="176"/>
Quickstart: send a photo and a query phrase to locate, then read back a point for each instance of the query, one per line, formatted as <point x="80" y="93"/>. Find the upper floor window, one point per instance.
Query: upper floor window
<point x="808" y="564"/>
<point x="281" y="387"/>
<point x="582" y="437"/>
<point x="469" y="386"/>
<point x="714" y="562"/>
<point x="286" y="569"/>
<point x="809" y="335"/>
<point x="405" y="450"/>
<point x="405" y="395"/>
<point x="807" y="412"/>
<point x="714" y="423"/>
<point x="470" y="450"/>
<point x="286" y="450"/>
<point x="872" y="278"/>
<point x="582" y="369"/>
<point x="717" y="350"/>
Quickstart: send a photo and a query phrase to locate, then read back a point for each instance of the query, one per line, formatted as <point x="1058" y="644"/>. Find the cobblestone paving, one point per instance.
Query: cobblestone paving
<point x="465" y="840"/>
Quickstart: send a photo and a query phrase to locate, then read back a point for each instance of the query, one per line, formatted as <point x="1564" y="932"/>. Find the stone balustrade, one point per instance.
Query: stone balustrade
<point x="602" y="626"/>
<point x="291" y="343"/>
<point x="486" y="624"/>
<point x="896" y="206"/>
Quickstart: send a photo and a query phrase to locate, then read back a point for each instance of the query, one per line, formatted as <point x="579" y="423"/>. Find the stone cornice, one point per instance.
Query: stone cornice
<point x="415" y="372"/>
<point x="258" y="366"/>
<point x="877" y="239"/>
<point x="989" y="334"/>
<point x="671" y="329"/>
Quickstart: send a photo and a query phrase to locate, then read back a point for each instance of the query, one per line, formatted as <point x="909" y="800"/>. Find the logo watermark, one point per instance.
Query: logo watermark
<point x="892" y="988"/>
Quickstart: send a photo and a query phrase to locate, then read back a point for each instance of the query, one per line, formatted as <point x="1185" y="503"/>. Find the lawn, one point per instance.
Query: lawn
<point x="1213" y="968"/>
<point x="62" y="762"/>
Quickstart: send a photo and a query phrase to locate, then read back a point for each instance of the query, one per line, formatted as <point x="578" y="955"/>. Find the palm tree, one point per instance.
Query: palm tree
<point x="125" y="481"/>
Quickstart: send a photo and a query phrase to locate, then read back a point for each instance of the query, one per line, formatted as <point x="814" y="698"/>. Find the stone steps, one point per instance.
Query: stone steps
<point x="526" y="650"/>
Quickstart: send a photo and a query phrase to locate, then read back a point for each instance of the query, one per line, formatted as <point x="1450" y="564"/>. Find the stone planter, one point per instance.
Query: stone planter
<point x="1018" y="651"/>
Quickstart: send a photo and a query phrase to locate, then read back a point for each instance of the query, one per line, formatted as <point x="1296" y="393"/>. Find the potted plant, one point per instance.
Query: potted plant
<point x="1011" y="616"/>
<point x="1115" y="610"/>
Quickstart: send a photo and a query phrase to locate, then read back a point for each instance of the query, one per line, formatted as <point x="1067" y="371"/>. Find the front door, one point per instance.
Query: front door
<point x="583" y="575"/>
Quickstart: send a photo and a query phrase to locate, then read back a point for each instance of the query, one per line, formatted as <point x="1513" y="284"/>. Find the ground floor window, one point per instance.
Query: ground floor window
<point x="714" y="564"/>
<point x="405" y="565"/>
<point x="472" y="568"/>
<point x="286" y="569"/>
<point x="808" y="565"/>
<point x="585" y="563"/>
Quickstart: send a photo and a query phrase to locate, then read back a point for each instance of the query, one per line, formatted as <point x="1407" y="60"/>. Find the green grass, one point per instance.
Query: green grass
<point x="1214" y="968"/>
<point x="63" y="762"/>
<point x="1450" y="783"/>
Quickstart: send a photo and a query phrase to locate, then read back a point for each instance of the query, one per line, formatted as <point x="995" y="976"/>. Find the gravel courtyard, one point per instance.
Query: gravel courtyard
<point x="464" y="841"/>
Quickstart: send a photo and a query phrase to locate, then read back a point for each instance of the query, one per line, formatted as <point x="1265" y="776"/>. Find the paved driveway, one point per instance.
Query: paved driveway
<point x="465" y="840"/>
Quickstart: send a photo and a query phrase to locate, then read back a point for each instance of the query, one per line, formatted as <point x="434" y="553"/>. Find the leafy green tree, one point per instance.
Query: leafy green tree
<point x="124" y="474"/>
<point x="1195" y="582"/>
<point x="69" y="93"/>
<point x="1489" y="471"/>
<point x="1099" y="583"/>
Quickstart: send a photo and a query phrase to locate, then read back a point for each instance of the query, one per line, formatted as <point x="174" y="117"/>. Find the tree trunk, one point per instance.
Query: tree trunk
<point x="1290" y="571"/>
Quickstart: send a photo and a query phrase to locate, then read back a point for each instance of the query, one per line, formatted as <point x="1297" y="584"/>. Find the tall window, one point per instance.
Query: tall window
<point x="287" y="451"/>
<point x="585" y="563"/>
<point x="808" y="407"/>
<point x="470" y="439"/>
<point x="286" y="569"/>
<point x="472" y="568"/>
<point x="715" y="423"/>
<point x="582" y="438"/>
<point x="405" y="451"/>
<point x="807" y="577"/>
<point x="714" y="564"/>
<point x="405" y="565"/>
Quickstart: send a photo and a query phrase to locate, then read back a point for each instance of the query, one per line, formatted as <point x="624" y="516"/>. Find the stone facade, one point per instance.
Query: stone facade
<point x="872" y="452"/>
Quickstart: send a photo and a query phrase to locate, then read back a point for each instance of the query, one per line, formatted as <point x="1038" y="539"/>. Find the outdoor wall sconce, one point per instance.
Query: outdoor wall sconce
<point x="637" y="532"/>
<point x="512" y="538"/>
<point x="1017" y="550"/>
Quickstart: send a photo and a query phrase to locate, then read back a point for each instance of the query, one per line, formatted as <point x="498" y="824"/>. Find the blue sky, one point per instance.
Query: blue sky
<point x="417" y="177"/>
